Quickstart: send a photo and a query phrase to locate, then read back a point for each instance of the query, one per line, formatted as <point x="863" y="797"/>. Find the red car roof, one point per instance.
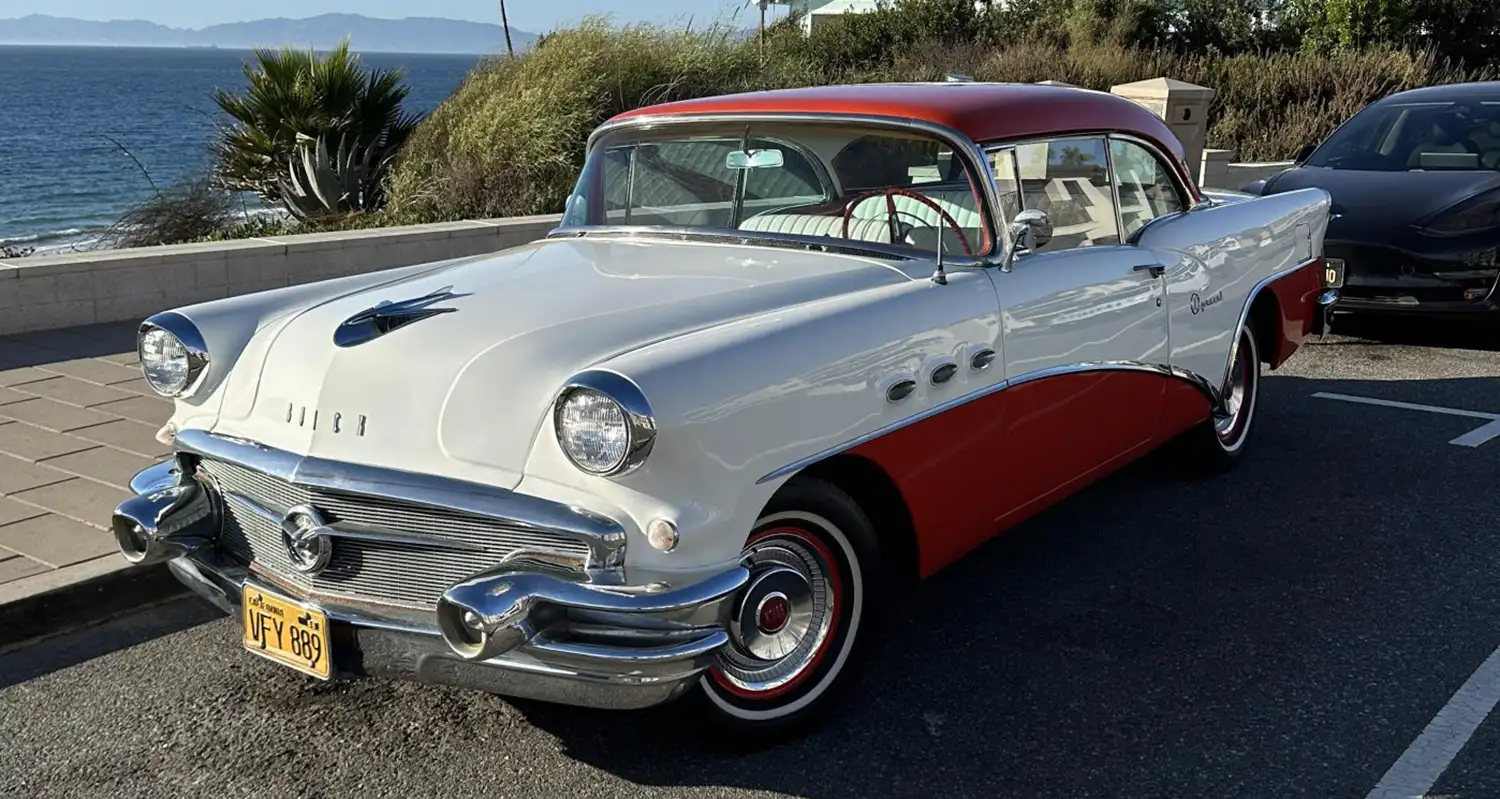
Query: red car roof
<point x="984" y="112"/>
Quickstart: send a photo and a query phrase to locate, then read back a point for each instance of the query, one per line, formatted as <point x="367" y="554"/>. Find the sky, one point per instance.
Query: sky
<point x="527" y="15"/>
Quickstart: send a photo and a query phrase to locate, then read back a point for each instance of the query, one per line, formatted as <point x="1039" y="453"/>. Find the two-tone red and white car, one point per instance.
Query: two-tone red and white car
<point x="786" y="350"/>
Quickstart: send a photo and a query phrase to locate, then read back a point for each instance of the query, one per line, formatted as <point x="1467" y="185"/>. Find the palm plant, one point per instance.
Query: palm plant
<point x="296" y="106"/>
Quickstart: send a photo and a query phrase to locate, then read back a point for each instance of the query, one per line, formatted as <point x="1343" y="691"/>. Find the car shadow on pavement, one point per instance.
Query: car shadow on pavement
<point x="30" y="659"/>
<point x="1268" y="631"/>
<point x="1467" y="333"/>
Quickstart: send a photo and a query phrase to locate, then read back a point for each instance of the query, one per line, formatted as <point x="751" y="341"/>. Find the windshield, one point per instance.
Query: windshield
<point x="896" y="190"/>
<point x="1462" y="135"/>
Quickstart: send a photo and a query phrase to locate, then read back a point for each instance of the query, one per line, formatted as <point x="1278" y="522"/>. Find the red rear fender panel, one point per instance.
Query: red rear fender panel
<point x="1297" y="294"/>
<point x="984" y="466"/>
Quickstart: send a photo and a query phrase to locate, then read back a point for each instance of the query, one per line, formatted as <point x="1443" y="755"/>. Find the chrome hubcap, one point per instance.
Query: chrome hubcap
<point x="782" y="618"/>
<point x="1227" y="421"/>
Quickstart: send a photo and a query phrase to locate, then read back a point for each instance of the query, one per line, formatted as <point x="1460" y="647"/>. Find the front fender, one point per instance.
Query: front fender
<point x="736" y="403"/>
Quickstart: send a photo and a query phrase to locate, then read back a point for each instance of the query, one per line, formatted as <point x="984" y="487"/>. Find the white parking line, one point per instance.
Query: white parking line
<point x="1473" y="438"/>
<point x="1420" y="766"/>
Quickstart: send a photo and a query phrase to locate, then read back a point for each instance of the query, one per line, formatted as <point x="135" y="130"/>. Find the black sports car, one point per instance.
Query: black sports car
<point x="1415" y="181"/>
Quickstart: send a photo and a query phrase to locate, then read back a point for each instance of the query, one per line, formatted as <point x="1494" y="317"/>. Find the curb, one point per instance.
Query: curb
<point x="85" y="602"/>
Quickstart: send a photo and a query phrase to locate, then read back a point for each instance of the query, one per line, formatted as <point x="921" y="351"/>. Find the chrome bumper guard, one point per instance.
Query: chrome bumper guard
<point x="505" y="631"/>
<point x="1324" y="321"/>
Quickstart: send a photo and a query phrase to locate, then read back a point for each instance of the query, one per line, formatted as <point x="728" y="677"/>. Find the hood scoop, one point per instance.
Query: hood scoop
<point x="386" y="316"/>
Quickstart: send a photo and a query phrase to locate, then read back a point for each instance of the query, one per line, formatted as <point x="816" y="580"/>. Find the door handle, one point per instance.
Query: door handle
<point x="1156" y="270"/>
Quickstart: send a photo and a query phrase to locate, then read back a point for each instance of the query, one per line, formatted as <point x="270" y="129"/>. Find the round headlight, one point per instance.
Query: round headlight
<point x="603" y="423"/>
<point x="164" y="361"/>
<point x="172" y="354"/>
<point x="593" y="431"/>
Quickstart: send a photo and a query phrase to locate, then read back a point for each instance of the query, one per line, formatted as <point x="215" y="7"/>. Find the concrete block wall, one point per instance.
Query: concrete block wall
<point x="53" y="291"/>
<point x="1220" y="171"/>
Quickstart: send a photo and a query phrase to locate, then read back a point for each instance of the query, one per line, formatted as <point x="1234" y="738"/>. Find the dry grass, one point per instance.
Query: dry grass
<point x="510" y="141"/>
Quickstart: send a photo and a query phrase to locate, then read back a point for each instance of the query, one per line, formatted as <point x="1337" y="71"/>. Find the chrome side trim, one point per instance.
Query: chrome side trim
<point x="192" y="340"/>
<point x="604" y="537"/>
<point x="1198" y="381"/>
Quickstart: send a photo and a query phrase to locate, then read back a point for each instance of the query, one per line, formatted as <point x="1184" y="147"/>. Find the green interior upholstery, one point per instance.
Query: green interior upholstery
<point x="872" y="230"/>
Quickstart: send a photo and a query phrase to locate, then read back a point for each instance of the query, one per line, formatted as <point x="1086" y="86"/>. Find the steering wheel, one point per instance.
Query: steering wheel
<point x="892" y="211"/>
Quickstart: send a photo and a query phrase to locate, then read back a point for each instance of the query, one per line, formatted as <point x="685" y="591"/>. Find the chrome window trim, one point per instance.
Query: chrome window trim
<point x="1202" y="384"/>
<point x="604" y="537"/>
<point x="971" y="152"/>
<point x="640" y="421"/>
<point x="192" y="340"/>
<point x="1182" y="194"/>
<point x="750" y="238"/>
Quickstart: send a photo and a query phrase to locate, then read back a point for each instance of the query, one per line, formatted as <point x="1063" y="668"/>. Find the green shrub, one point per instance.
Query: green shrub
<point x="511" y="140"/>
<point x="188" y="211"/>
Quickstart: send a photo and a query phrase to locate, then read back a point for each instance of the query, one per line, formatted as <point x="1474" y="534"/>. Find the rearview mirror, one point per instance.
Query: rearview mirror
<point x="754" y="159"/>
<point x="1031" y="229"/>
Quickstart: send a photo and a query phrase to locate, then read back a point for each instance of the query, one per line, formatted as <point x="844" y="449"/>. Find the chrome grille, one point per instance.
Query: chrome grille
<point x="379" y="571"/>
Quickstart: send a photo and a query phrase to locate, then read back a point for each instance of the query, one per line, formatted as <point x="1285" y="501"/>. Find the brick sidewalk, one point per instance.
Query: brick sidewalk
<point x="77" y="421"/>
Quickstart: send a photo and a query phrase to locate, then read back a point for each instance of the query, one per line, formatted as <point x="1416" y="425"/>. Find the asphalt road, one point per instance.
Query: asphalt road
<point x="1285" y="630"/>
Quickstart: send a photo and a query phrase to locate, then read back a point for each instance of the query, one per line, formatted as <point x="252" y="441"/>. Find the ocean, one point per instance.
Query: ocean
<point x="62" y="181"/>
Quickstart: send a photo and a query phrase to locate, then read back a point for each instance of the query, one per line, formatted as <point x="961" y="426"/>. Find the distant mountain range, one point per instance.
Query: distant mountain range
<point x="367" y="34"/>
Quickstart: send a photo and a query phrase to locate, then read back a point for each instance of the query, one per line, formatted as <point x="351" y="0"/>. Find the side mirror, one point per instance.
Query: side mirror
<point x="1304" y="153"/>
<point x="1029" y="230"/>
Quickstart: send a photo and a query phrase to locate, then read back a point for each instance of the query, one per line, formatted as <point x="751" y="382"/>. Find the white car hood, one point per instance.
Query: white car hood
<point x="462" y="393"/>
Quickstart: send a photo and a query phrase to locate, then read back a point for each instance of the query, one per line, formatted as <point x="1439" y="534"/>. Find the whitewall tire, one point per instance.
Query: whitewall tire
<point x="800" y="629"/>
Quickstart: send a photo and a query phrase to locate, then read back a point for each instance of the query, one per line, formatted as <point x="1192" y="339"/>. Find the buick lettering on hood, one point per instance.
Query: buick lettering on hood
<point x="787" y="353"/>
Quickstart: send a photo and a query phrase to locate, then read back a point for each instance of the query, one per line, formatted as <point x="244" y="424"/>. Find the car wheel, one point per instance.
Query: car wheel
<point x="1217" y="444"/>
<point x="803" y="625"/>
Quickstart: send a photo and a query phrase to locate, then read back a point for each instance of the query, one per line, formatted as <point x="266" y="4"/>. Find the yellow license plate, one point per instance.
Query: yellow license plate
<point x="286" y="631"/>
<point x="1333" y="273"/>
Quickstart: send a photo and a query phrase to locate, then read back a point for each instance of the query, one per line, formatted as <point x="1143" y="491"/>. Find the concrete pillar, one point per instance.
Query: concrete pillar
<point x="1183" y="106"/>
<point x="1214" y="173"/>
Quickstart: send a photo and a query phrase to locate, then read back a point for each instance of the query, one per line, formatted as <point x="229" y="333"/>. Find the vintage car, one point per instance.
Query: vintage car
<point x="786" y="351"/>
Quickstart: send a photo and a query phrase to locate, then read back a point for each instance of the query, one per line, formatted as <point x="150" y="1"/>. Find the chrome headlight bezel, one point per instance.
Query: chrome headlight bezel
<point x="196" y="352"/>
<point x="639" y="420"/>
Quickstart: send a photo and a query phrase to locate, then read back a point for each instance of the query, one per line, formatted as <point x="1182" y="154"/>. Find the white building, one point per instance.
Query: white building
<point x="815" y="11"/>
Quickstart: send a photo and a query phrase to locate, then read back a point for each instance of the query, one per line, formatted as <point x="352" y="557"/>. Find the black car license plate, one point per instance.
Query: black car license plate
<point x="1333" y="272"/>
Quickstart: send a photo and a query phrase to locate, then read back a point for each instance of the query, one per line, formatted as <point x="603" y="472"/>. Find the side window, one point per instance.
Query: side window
<point x="1146" y="188"/>
<point x="1069" y="180"/>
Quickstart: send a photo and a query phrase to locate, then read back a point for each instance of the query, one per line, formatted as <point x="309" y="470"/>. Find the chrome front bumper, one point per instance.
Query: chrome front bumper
<point x="506" y="631"/>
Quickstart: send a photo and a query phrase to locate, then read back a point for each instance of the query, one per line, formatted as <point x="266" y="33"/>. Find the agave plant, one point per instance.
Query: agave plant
<point x="320" y="183"/>
<point x="297" y="107"/>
